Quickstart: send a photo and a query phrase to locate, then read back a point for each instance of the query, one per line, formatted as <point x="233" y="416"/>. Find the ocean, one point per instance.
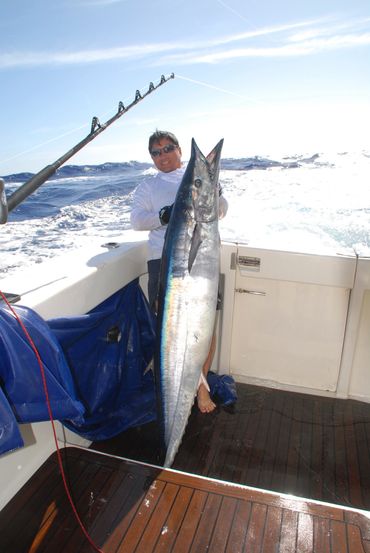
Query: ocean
<point x="316" y="203"/>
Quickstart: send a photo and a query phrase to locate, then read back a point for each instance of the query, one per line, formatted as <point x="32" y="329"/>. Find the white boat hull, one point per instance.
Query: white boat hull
<point x="289" y="320"/>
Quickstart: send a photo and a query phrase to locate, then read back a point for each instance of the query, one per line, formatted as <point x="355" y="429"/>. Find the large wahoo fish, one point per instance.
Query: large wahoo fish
<point x="187" y="294"/>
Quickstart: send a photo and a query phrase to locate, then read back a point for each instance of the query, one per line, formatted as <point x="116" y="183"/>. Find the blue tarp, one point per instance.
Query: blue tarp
<point x="95" y="367"/>
<point x="10" y="437"/>
<point x="108" y="351"/>
<point x="222" y="388"/>
<point x="20" y="375"/>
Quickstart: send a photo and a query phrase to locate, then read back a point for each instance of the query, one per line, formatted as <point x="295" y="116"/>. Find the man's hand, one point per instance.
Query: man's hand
<point x="165" y="214"/>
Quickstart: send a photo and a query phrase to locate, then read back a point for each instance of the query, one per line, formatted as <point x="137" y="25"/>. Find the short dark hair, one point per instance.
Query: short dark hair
<point x="157" y="136"/>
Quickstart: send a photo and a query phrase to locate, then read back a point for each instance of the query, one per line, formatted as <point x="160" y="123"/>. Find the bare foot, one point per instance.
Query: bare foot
<point x="205" y="404"/>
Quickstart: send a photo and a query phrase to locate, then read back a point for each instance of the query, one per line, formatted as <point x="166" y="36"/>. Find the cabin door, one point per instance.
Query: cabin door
<point x="288" y="317"/>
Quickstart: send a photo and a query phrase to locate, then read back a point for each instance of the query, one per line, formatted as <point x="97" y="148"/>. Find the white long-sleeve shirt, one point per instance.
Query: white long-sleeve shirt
<point x="149" y="197"/>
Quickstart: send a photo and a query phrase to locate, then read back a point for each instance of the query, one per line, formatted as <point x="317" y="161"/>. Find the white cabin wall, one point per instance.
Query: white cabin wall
<point x="16" y="467"/>
<point x="355" y="373"/>
<point x="221" y="362"/>
<point x="285" y="317"/>
<point x="360" y="380"/>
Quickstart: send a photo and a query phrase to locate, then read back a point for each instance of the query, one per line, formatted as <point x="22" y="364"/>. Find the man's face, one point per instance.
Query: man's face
<point x="166" y="161"/>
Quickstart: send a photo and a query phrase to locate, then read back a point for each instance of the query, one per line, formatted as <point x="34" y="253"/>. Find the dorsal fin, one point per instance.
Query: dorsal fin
<point x="213" y="158"/>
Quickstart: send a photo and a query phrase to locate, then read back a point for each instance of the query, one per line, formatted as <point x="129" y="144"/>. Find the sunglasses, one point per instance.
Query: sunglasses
<point x="165" y="150"/>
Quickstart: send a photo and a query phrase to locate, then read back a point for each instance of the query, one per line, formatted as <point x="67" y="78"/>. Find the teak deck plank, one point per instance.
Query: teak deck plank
<point x="129" y="507"/>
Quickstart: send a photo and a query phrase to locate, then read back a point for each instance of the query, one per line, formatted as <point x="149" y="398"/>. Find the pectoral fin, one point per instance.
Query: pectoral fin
<point x="196" y="241"/>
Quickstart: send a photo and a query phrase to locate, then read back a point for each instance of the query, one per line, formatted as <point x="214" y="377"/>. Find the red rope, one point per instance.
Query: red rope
<point x="59" y="456"/>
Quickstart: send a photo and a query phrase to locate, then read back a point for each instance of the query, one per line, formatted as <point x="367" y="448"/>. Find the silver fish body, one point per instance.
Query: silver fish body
<point x="187" y="294"/>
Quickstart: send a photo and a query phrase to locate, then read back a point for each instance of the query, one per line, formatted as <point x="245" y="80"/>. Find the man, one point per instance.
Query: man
<point x="151" y="210"/>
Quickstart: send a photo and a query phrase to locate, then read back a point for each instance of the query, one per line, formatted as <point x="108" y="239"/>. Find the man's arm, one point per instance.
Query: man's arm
<point x="142" y="215"/>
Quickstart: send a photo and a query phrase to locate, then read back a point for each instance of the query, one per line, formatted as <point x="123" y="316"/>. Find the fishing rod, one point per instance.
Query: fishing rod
<point x="8" y="204"/>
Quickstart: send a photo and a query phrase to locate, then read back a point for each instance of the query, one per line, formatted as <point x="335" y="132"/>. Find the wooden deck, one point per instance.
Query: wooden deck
<point x="292" y="443"/>
<point x="129" y="507"/>
<point x="313" y="447"/>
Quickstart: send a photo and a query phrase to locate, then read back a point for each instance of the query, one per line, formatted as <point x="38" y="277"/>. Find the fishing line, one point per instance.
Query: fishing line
<point x="59" y="456"/>
<point x="44" y="143"/>
<point x="224" y="90"/>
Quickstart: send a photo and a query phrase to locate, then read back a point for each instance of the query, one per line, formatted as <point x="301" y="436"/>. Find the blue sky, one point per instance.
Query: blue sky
<point x="269" y="77"/>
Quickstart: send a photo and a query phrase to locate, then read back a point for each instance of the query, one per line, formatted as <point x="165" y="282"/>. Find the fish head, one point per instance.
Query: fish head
<point x="201" y="183"/>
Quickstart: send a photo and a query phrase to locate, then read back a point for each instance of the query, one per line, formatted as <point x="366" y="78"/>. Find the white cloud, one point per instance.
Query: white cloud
<point x="304" y="48"/>
<point x="317" y="36"/>
<point x="19" y="59"/>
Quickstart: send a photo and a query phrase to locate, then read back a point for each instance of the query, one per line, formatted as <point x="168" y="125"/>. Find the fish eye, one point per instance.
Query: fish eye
<point x="198" y="183"/>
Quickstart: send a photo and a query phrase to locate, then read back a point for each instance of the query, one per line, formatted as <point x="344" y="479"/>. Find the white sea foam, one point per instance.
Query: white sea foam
<point x="320" y="206"/>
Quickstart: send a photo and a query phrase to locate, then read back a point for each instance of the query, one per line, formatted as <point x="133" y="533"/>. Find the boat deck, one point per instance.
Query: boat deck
<point x="313" y="447"/>
<point x="134" y="507"/>
<point x="130" y="507"/>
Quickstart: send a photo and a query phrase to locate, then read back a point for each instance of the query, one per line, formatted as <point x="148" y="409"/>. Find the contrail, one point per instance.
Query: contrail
<point x="230" y="92"/>
<point x="233" y="11"/>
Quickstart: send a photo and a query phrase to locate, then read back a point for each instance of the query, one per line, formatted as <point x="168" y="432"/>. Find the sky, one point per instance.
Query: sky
<point x="271" y="78"/>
